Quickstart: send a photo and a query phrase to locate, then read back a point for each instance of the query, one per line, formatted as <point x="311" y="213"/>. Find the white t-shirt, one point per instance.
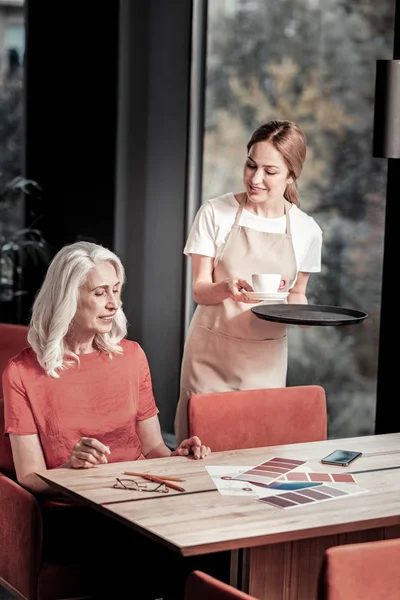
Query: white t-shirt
<point x="215" y="218"/>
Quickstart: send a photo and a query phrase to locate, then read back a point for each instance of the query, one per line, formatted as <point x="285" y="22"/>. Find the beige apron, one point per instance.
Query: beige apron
<point x="227" y="347"/>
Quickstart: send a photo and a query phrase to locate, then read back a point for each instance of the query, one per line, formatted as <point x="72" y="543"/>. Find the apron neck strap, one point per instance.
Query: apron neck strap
<point x="240" y="209"/>
<point x="286" y="207"/>
<point x="235" y="226"/>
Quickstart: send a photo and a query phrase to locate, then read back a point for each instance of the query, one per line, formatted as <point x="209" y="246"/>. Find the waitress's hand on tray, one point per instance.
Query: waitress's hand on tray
<point x="298" y="298"/>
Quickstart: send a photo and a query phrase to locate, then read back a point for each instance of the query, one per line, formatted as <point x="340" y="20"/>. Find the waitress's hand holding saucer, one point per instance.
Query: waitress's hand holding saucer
<point x="235" y="290"/>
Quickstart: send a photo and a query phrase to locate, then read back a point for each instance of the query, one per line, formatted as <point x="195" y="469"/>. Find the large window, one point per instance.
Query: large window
<point x="12" y="47"/>
<point x="312" y="61"/>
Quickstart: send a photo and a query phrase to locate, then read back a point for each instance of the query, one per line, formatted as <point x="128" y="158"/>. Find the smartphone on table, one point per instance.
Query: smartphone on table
<point x="340" y="457"/>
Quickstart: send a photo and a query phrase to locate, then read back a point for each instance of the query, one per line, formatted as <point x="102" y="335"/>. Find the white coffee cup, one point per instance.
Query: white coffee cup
<point x="266" y="283"/>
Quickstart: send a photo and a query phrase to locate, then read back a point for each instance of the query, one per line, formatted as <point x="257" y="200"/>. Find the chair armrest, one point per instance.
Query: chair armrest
<point x="20" y="537"/>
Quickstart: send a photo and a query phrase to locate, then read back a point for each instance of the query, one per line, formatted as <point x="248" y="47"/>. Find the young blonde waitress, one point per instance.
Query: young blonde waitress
<point x="260" y="230"/>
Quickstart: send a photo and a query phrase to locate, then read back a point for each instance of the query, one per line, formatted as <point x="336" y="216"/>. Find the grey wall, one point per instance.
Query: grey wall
<point x="154" y="86"/>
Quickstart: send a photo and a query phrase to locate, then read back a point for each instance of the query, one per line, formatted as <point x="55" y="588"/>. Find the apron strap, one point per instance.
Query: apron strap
<point x="240" y="210"/>
<point x="286" y="208"/>
<point x="235" y="227"/>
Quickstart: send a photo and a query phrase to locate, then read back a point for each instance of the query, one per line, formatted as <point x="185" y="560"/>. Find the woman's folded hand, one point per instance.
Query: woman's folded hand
<point x="193" y="446"/>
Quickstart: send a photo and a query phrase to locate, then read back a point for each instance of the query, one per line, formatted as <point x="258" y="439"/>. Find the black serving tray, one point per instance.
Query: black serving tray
<point x="309" y="314"/>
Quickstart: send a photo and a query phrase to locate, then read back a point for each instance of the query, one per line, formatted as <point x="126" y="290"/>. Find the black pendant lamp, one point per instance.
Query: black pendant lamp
<point x="386" y="134"/>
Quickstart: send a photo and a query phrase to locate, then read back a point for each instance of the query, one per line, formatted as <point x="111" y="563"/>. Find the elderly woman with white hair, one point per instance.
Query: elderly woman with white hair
<point x="81" y="394"/>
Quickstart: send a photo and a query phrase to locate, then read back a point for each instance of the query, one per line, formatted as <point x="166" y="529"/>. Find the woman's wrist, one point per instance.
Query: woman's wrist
<point x="210" y="293"/>
<point x="297" y="298"/>
<point x="161" y="451"/>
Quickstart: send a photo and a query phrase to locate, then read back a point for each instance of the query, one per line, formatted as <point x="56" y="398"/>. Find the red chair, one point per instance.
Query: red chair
<point x="361" y="571"/>
<point x="257" y="418"/>
<point x="200" y="586"/>
<point x="23" y="572"/>
<point x="12" y="340"/>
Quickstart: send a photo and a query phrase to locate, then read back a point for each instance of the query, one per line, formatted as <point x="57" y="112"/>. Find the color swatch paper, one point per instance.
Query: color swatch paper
<point x="306" y="496"/>
<point x="222" y="477"/>
<point x="270" y="470"/>
<point x="283" y="486"/>
<point x="321" y="477"/>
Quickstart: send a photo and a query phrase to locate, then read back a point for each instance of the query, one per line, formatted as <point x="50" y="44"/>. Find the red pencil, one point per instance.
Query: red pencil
<point x="155" y="479"/>
<point x="168" y="478"/>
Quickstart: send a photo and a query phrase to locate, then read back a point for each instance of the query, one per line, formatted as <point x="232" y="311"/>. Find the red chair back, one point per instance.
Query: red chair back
<point x="361" y="571"/>
<point x="200" y="586"/>
<point x="12" y="340"/>
<point x="257" y="418"/>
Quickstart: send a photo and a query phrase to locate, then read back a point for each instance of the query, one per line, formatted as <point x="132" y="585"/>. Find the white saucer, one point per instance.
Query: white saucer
<point x="266" y="295"/>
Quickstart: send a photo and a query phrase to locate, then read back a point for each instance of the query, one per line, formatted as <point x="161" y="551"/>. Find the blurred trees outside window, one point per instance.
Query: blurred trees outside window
<point x="313" y="62"/>
<point x="12" y="48"/>
<point x="24" y="254"/>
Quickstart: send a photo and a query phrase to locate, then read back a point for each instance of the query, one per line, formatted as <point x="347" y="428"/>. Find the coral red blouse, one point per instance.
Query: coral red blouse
<point x="101" y="398"/>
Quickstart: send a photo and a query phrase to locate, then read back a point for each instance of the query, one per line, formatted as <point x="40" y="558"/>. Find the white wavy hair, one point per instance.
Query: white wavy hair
<point x="57" y="302"/>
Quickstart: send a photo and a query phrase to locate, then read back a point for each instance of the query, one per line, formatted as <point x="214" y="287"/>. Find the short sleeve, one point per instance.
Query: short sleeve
<point x="202" y="236"/>
<point x="18" y="416"/>
<point x="147" y="406"/>
<point x="312" y="260"/>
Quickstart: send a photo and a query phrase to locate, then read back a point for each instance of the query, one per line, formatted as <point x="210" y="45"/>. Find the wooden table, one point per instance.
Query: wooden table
<point x="280" y="551"/>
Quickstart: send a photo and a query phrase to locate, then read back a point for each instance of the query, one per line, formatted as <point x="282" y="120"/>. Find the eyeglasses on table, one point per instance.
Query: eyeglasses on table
<point x="131" y="484"/>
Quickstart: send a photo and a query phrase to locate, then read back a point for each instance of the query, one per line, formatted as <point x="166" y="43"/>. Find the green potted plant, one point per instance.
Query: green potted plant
<point x="23" y="251"/>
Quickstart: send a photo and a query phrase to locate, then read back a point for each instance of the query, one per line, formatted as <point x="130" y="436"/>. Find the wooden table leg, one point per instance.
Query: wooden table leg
<point x="234" y="572"/>
<point x="290" y="571"/>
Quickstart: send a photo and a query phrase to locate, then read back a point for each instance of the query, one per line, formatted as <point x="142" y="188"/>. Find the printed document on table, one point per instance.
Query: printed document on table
<point x="222" y="478"/>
